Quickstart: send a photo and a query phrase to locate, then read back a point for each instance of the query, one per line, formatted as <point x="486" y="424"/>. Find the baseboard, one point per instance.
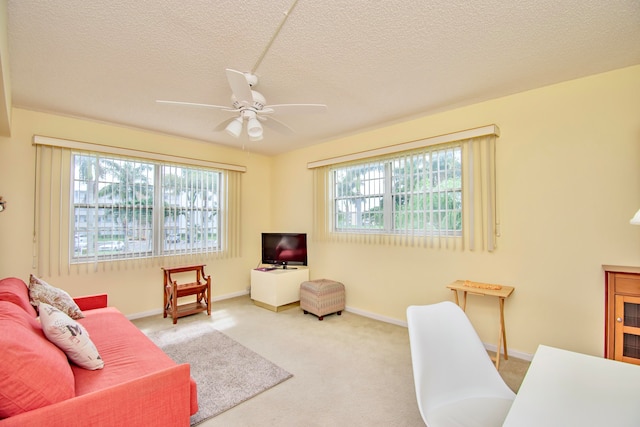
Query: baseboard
<point x="375" y="316"/>
<point x="490" y="347"/>
<point x="512" y="353"/>
<point x="231" y="295"/>
<point x="159" y="310"/>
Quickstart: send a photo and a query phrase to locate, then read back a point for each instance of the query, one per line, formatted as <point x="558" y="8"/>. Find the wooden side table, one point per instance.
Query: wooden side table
<point x="201" y="288"/>
<point x="484" y="289"/>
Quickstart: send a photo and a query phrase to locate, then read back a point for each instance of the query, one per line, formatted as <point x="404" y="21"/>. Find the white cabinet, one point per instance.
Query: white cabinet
<point x="276" y="289"/>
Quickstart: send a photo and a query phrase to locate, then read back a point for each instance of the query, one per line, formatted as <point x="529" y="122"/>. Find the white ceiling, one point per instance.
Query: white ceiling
<point x="372" y="62"/>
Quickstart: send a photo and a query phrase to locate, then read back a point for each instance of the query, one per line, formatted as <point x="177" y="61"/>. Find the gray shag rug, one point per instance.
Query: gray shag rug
<point x="227" y="373"/>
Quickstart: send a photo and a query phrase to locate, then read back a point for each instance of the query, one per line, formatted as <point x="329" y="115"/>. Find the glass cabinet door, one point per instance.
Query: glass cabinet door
<point x="627" y="329"/>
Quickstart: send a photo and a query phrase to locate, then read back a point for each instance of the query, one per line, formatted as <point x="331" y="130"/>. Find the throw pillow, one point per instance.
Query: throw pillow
<point x="16" y="291"/>
<point x="41" y="291"/>
<point x="70" y="336"/>
<point x="34" y="372"/>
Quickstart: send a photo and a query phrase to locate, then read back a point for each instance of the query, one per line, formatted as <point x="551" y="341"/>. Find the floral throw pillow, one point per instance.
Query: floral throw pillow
<point x="70" y="337"/>
<point x="41" y="291"/>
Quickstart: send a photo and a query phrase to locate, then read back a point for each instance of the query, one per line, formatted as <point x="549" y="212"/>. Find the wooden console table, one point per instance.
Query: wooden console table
<point x="485" y="289"/>
<point x="201" y="288"/>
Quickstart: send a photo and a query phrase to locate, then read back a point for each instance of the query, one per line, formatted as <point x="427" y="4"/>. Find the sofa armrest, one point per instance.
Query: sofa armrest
<point x="91" y="302"/>
<point x="160" y="399"/>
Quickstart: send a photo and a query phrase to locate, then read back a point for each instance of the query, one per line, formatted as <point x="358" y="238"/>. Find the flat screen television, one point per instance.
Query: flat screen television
<point x="284" y="249"/>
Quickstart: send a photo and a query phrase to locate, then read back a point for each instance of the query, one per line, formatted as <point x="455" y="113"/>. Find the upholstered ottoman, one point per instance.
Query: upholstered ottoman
<point x="322" y="297"/>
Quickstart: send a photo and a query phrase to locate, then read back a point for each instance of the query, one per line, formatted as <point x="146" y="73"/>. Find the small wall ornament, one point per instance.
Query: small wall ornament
<point x="2" y="204"/>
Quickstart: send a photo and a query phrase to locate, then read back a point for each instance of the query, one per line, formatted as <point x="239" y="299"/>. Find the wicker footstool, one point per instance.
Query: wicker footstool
<point x="322" y="297"/>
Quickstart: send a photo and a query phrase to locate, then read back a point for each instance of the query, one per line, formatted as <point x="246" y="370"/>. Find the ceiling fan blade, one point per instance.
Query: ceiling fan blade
<point x="195" y="104"/>
<point x="239" y="86"/>
<point x="276" y="125"/>
<point x="297" y="108"/>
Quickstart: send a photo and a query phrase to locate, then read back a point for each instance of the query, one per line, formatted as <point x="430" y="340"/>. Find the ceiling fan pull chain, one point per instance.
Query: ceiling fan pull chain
<point x="266" y="49"/>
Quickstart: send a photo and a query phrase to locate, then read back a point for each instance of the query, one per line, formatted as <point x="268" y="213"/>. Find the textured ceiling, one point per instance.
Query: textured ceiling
<point x="372" y="62"/>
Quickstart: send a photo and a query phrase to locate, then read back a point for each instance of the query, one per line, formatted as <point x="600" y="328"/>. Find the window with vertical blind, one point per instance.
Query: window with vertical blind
<point x="416" y="191"/>
<point x="439" y="192"/>
<point x="125" y="208"/>
<point x="98" y="203"/>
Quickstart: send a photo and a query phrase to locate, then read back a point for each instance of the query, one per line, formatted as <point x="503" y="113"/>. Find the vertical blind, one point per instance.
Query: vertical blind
<point x="454" y="213"/>
<point x="148" y="237"/>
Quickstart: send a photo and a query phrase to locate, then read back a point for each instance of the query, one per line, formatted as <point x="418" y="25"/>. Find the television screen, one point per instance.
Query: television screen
<point x="284" y="249"/>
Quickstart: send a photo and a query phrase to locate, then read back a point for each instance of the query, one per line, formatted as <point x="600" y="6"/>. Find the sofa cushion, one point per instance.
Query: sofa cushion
<point x="126" y="351"/>
<point x="127" y="354"/>
<point x="34" y="372"/>
<point x="41" y="291"/>
<point x="16" y="291"/>
<point x="69" y="336"/>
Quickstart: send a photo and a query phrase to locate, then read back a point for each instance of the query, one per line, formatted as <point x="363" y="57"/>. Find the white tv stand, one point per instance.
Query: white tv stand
<point x="278" y="289"/>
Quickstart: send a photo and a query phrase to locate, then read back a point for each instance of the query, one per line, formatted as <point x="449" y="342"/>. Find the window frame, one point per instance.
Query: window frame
<point x="480" y="217"/>
<point x="52" y="217"/>
<point x="389" y="168"/>
<point x="155" y="226"/>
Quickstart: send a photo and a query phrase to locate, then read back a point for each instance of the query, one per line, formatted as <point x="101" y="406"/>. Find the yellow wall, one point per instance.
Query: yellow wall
<point x="137" y="289"/>
<point x="568" y="183"/>
<point x="5" y="81"/>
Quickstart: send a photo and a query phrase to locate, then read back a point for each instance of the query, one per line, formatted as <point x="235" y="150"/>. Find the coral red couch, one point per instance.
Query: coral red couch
<point x="138" y="386"/>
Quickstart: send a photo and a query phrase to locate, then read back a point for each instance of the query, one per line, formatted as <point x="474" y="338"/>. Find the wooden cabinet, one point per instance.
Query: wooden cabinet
<point x="277" y="289"/>
<point x="623" y="314"/>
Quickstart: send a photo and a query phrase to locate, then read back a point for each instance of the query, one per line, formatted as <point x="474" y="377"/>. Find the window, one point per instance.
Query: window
<point x="416" y="191"/>
<point x="439" y="192"/>
<point x="126" y="208"/>
<point x="96" y="203"/>
<point x="191" y="209"/>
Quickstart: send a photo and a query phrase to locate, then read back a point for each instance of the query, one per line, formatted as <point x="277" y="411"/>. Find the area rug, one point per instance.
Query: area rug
<point x="227" y="373"/>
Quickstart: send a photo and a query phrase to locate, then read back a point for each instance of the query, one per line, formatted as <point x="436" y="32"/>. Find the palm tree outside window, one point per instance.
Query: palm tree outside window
<point x="130" y="208"/>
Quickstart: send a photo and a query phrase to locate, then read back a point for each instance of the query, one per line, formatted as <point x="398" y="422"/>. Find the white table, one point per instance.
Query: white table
<point x="277" y="289"/>
<point x="563" y="388"/>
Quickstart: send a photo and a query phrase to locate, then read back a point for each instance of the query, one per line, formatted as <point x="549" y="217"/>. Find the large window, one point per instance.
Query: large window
<point x="416" y="191"/>
<point x="126" y="208"/>
<point x="97" y="203"/>
<point x="439" y="192"/>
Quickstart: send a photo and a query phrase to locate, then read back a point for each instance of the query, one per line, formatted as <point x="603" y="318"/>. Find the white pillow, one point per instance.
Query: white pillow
<point x="70" y="336"/>
<point x="41" y="291"/>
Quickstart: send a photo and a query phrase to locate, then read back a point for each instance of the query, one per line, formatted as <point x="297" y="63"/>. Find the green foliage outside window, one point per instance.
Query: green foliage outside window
<point x="417" y="192"/>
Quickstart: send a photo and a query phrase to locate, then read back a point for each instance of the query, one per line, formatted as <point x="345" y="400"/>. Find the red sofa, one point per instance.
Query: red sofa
<point x="138" y="386"/>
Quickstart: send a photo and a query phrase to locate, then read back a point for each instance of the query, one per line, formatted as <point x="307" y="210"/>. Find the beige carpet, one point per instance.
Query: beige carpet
<point x="347" y="370"/>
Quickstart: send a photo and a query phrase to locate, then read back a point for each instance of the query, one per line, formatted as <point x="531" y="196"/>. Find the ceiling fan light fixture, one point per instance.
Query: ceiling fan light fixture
<point x="234" y="128"/>
<point x="254" y="129"/>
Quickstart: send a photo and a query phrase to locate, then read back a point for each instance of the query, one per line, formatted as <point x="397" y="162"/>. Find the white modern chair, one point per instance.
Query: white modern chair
<point x="456" y="382"/>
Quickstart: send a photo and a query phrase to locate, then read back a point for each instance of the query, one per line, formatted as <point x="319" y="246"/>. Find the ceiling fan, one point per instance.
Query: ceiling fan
<point x="250" y="106"/>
